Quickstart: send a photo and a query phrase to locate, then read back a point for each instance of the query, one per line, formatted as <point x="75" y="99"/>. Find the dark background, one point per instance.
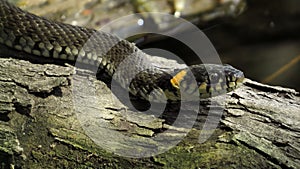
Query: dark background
<point x="263" y="42"/>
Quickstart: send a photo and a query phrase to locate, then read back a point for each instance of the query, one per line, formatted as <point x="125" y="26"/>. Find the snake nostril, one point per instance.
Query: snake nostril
<point x="240" y="80"/>
<point x="239" y="77"/>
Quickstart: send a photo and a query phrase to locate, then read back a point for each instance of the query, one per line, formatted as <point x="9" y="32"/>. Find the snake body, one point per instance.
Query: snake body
<point x="42" y="39"/>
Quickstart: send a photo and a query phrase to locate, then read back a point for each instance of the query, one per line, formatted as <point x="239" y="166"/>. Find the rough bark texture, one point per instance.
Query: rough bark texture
<point x="39" y="126"/>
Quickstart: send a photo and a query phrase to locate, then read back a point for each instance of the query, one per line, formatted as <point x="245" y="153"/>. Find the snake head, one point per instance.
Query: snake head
<point x="234" y="77"/>
<point x="209" y="79"/>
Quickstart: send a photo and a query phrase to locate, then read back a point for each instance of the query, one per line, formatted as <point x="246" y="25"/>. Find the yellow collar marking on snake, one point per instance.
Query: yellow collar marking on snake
<point x="175" y="81"/>
<point x="202" y="87"/>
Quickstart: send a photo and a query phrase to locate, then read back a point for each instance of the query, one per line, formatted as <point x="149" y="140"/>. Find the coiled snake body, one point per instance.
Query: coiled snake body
<point x="43" y="39"/>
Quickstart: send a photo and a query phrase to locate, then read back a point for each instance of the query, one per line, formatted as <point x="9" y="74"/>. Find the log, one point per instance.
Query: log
<point x="49" y="118"/>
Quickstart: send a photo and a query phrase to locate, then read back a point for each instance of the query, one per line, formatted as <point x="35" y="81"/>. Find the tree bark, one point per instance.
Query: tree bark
<point x="45" y="111"/>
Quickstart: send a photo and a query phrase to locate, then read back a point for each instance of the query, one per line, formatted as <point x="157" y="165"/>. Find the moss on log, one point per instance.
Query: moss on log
<point x="39" y="126"/>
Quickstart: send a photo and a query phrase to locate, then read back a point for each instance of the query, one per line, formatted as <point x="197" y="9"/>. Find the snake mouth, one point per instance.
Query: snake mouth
<point x="234" y="77"/>
<point x="208" y="90"/>
<point x="240" y="81"/>
<point x="233" y="84"/>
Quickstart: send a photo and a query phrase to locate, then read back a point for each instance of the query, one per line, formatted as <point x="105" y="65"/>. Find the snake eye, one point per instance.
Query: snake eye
<point x="214" y="78"/>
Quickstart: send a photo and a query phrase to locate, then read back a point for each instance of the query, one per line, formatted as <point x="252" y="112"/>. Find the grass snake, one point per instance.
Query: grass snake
<point x="42" y="39"/>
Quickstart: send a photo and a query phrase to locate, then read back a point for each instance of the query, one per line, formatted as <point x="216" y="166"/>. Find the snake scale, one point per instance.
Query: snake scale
<point x="42" y="39"/>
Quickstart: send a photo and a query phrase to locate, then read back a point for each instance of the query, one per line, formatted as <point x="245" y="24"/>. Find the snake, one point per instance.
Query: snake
<point x="28" y="36"/>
